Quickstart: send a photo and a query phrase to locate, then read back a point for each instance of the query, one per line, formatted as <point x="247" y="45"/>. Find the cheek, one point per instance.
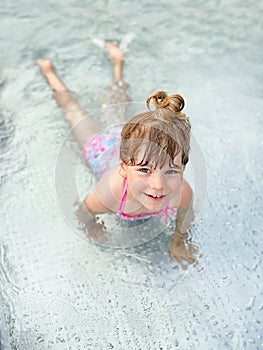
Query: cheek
<point x="137" y="185"/>
<point x="175" y="183"/>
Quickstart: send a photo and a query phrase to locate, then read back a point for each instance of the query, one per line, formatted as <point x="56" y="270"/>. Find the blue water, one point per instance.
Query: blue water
<point x="59" y="291"/>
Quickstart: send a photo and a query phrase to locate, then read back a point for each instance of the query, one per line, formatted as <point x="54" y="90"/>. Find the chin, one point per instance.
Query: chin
<point x="154" y="206"/>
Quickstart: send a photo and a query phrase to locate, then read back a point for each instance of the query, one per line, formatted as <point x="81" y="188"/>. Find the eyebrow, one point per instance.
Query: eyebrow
<point x="174" y="166"/>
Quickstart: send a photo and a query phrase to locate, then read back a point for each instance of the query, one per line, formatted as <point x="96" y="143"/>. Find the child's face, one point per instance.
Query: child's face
<point x="153" y="188"/>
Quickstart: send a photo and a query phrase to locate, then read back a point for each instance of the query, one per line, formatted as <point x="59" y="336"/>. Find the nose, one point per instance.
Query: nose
<point x="156" y="181"/>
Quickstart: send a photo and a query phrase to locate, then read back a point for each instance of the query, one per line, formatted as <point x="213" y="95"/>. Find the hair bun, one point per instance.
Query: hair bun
<point x="160" y="99"/>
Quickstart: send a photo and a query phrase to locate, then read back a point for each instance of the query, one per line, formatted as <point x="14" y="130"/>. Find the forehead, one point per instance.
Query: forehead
<point x="143" y="157"/>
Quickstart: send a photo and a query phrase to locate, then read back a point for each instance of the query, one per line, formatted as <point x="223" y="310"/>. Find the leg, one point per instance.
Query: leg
<point x="116" y="98"/>
<point x="81" y="125"/>
<point x="117" y="56"/>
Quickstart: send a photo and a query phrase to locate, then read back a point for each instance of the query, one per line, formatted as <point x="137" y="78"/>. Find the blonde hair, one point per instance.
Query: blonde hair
<point x="160" y="133"/>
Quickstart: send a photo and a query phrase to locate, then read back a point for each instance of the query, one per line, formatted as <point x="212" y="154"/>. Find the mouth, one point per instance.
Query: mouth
<point x="155" y="197"/>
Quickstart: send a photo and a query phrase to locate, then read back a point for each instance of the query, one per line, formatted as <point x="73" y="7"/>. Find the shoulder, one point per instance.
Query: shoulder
<point x="106" y="195"/>
<point x="186" y="195"/>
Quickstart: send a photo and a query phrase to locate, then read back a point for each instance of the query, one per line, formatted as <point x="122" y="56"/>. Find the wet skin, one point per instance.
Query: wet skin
<point x="152" y="188"/>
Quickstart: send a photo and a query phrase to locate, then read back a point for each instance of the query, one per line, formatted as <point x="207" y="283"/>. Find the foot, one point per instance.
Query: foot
<point x="117" y="56"/>
<point x="53" y="80"/>
<point x="46" y="66"/>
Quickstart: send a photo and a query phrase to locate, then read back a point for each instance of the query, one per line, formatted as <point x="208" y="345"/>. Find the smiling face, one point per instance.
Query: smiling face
<point x="153" y="153"/>
<point x="152" y="187"/>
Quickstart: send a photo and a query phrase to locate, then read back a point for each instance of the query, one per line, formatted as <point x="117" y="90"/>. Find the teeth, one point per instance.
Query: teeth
<point x="154" y="196"/>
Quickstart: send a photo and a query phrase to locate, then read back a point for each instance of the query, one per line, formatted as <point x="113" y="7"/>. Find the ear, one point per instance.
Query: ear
<point x="123" y="169"/>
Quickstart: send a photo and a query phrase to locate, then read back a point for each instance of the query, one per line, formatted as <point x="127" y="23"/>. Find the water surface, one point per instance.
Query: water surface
<point x="61" y="292"/>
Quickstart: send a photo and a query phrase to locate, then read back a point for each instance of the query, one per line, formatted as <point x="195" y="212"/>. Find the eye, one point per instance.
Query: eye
<point x="171" y="171"/>
<point x="144" y="170"/>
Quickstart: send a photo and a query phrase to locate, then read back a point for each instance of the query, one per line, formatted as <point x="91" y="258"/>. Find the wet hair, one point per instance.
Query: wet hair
<point x="153" y="137"/>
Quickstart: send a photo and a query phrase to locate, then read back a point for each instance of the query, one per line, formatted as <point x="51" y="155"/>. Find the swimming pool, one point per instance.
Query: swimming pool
<point x="58" y="291"/>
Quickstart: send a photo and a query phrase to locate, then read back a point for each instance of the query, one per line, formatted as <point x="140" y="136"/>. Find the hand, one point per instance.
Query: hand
<point x="181" y="250"/>
<point x="96" y="233"/>
<point x="88" y="223"/>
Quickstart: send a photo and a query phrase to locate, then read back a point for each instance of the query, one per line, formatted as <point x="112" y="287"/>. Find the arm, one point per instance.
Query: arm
<point x="93" y="204"/>
<point x="102" y="199"/>
<point x="181" y="246"/>
<point x="105" y="197"/>
<point x="87" y="223"/>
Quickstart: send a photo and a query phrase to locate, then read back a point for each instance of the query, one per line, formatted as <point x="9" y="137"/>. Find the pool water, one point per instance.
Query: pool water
<point x="59" y="291"/>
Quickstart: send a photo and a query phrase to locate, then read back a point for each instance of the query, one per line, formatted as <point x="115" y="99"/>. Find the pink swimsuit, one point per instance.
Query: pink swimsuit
<point x="101" y="153"/>
<point x="164" y="214"/>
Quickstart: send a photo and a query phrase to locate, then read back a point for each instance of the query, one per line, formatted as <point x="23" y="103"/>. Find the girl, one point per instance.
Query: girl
<point x="153" y="151"/>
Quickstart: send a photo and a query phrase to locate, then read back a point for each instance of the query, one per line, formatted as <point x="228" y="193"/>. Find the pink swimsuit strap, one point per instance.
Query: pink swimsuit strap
<point x="165" y="212"/>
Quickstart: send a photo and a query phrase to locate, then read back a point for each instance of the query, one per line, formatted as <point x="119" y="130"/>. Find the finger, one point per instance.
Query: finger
<point x="180" y="261"/>
<point x="190" y="259"/>
<point x="172" y="255"/>
<point x="175" y="254"/>
<point x="184" y="267"/>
